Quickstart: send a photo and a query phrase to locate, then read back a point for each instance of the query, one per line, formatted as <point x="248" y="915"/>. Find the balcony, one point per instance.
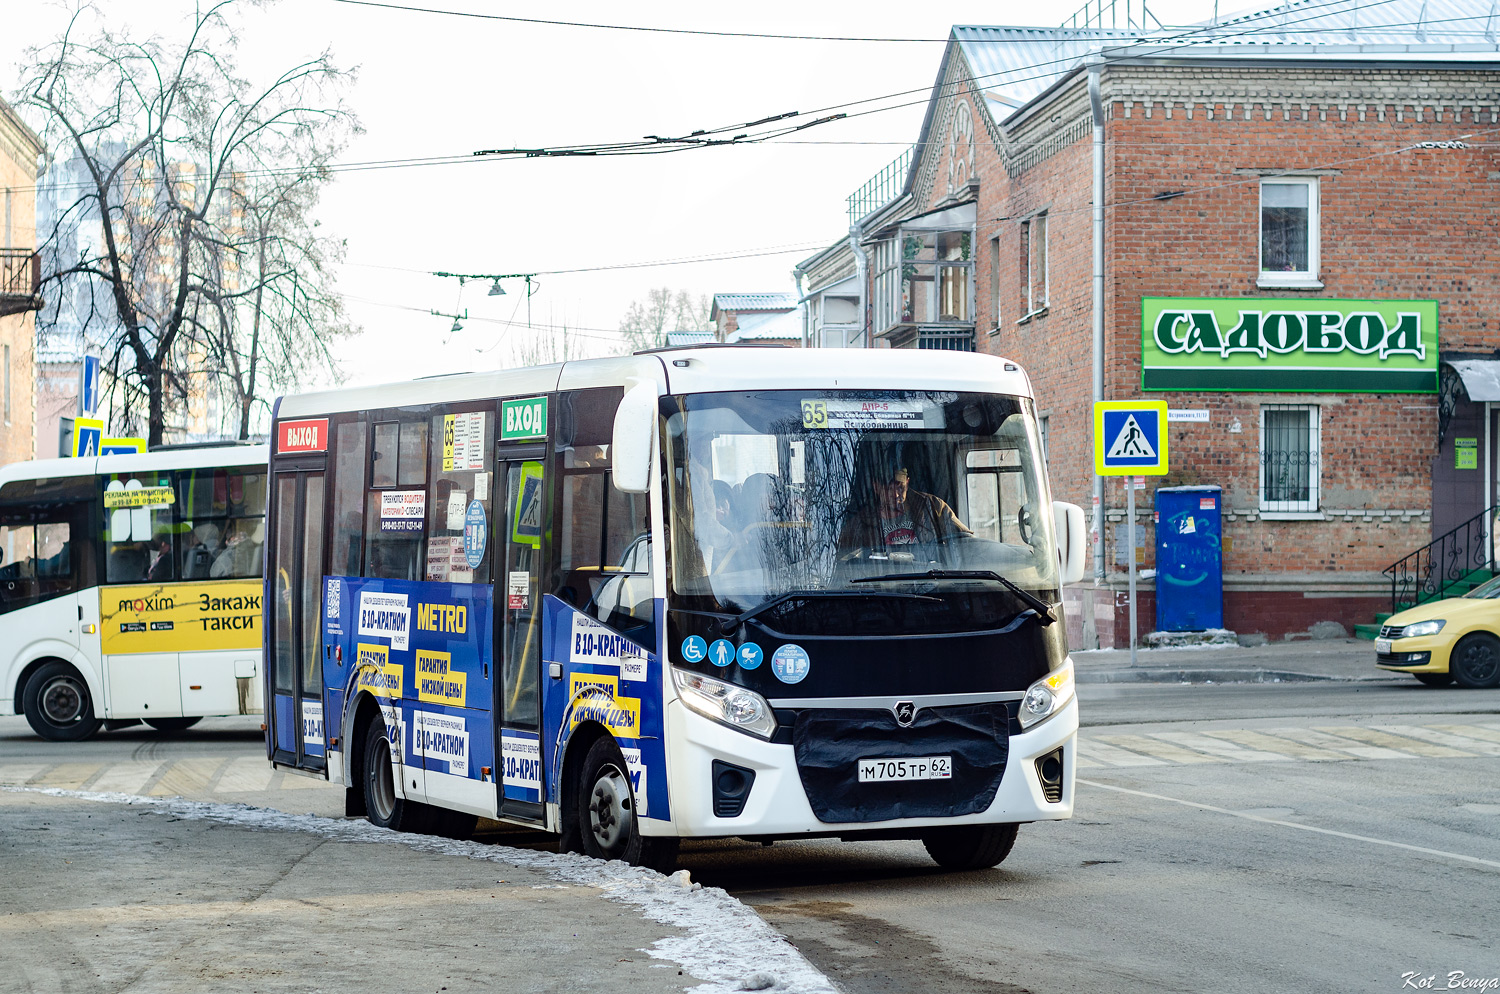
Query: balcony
<point x="20" y="281"/>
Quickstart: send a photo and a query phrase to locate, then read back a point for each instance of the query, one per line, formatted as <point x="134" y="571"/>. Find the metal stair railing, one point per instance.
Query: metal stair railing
<point x="1447" y="560"/>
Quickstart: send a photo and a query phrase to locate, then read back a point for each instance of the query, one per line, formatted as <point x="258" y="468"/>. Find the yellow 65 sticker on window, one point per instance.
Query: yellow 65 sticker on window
<point x="815" y="414"/>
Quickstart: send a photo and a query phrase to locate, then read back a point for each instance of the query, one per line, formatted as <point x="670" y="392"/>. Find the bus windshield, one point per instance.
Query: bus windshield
<point x="816" y="495"/>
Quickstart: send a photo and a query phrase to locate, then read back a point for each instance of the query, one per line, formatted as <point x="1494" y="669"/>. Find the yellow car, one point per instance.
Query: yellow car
<point x="1456" y="640"/>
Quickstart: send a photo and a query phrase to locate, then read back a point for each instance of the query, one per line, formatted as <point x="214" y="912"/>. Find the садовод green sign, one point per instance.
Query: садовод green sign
<point x="1283" y="344"/>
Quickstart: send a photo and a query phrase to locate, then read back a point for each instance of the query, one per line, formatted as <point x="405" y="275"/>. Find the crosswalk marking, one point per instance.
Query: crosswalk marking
<point x="1458" y="738"/>
<point x="1326" y="743"/>
<point x="1161" y="750"/>
<point x="193" y="777"/>
<point x="1273" y="743"/>
<point x="1227" y="750"/>
<point x="1105" y="753"/>
<point x="1375" y="736"/>
<point x="1323" y="740"/>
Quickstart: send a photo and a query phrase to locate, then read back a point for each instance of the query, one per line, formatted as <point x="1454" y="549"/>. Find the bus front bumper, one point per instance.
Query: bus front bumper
<point x="778" y="806"/>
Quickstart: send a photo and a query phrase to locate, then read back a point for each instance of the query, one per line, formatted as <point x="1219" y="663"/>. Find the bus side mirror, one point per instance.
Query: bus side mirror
<point x="1072" y="540"/>
<point x="630" y="449"/>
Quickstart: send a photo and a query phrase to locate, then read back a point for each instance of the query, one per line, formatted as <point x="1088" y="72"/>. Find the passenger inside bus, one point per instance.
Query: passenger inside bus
<point x="160" y="569"/>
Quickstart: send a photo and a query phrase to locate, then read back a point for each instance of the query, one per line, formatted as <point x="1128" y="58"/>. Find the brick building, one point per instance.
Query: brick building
<point x="20" y="274"/>
<point x="1292" y="200"/>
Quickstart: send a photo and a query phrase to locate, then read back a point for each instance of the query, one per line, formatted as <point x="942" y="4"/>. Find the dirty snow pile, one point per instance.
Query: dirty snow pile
<point x="722" y="940"/>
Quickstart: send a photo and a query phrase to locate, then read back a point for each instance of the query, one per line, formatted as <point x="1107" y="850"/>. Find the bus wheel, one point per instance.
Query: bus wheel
<point x="382" y="806"/>
<point x="1434" y="679"/>
<point x="58" y="705"/>
<point x="606" y="813"/>
<point x="1476" y="661"/>
<point x="970" y="847"/>
<point x="172" y="724"/>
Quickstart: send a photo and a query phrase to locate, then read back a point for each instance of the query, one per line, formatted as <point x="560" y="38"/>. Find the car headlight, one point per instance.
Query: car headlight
<point x="740" y="709"/>
<point x="1048" y="695"/>
<point x="1423" y="628"/>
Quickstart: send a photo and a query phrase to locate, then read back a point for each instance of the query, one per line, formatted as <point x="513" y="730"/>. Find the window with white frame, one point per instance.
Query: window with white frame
<point x="994" y="284"/>
<point x="1289" y="457"/>
<point x="1289" y="230"/>
<point x="1033" y="265"/>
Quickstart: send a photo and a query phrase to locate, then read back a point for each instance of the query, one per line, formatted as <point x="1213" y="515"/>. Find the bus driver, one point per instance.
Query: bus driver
<point x="896" y="515"/>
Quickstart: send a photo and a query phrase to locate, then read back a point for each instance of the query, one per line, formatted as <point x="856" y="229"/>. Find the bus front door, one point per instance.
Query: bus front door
<point x="518" y="565"/>
<point x="294" y="582"/>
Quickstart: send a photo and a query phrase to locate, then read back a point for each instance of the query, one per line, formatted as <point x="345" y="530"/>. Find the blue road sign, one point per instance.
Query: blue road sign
<point x="1130" y="438"/>
<point x="88" y="387"/>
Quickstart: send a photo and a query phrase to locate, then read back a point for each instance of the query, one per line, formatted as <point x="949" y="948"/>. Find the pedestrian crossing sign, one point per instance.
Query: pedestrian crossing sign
<point x="1130" y="438"/>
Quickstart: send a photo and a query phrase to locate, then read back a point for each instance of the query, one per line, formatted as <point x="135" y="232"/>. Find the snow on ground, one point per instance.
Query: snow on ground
<point x="722" y="939"/>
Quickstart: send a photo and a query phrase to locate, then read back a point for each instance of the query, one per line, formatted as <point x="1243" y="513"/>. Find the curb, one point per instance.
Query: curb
<point x="1143" y="674"/>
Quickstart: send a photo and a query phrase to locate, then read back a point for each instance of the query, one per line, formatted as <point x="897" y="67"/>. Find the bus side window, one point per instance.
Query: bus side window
<point x="140" y="542"/>
<point x="220" y="529"/>
<point x="348" y="498"/>
<point x="393" y="540"/>
<point x="995" y="492"/>
<point x="460" y="475"/>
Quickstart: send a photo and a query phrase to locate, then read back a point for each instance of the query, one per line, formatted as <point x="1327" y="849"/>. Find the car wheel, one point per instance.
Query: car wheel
<point x="970" y="847"/>
<point x="172" y="724"/>
<point x="1434" y="679"/>
<point x="1476" y="661"/>
<point x="605" y="810"/>
<point x="58" y="705"/>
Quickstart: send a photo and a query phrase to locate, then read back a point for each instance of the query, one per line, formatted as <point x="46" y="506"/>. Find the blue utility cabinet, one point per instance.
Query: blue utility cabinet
<point x="1189" y="559"/>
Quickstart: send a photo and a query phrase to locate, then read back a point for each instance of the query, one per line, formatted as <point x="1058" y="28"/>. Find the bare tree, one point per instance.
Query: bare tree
<point x="206" y="266"/>
<point x="646" y="323"/>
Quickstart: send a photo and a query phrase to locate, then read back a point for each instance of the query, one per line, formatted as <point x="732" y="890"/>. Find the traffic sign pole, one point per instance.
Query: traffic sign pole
<point x="1130" y="530"/>
<point x="1130" y="439"/>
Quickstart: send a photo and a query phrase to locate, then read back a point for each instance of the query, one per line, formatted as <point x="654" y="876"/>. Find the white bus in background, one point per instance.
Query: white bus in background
<point x="719" y="591"/>
<point x="130" y="588"/>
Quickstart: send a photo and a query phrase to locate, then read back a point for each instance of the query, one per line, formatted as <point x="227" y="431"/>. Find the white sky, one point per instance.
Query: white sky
<point x="430" y="85"/>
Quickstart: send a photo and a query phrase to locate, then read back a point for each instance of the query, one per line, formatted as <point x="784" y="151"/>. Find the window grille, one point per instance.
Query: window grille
<point x="1289" y="457"/>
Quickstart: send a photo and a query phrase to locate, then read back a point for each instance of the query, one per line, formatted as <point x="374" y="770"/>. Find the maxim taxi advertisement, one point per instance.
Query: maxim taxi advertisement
<point x="180" y="617"/>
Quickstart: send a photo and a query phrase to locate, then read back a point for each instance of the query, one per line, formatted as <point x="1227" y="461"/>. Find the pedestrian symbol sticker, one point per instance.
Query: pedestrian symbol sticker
<point x="750" y="656"/>
<point x="1130" y="437"/>
<point x="694" y="649"/>
<point x="1131" y="443"/>
<point x="721" y="653"/>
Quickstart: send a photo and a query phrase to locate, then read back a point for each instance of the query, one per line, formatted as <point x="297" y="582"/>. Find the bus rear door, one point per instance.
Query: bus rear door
<point x="294" y="586"/>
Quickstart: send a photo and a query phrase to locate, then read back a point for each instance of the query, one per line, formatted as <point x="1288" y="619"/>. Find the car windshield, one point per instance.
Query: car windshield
<point x="815" y="495"/>
<point x="1487" y="591"/>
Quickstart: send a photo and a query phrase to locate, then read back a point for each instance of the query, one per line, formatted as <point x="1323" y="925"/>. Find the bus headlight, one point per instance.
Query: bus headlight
<point x="725" y="703"/>
<point x="1048" y="695"/>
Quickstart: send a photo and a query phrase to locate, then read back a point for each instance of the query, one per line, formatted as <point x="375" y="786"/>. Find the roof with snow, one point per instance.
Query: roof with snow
<point x="778" y="325"/>
<point x="754" y="301"/>
<point x="1015" y="64"/>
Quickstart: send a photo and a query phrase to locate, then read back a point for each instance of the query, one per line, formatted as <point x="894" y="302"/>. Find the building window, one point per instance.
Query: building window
<point x="1033" y="265"/>
<point x="994" y="284"/>
<point x="1288" y="230"/>
<point x="1289" y="457"/>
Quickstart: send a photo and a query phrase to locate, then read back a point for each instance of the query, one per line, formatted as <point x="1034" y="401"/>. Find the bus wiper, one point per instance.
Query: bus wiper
<point x="731" y="625"/>
<point x="1043" y="611"/>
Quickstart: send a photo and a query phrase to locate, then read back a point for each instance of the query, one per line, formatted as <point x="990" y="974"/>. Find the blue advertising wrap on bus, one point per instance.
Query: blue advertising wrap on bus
<point x="611" y="680"/>
<point x="423" y="650"/>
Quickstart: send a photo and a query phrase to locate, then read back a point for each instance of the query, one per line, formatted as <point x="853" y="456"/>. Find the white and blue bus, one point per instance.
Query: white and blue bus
<point x="690" y="593"/>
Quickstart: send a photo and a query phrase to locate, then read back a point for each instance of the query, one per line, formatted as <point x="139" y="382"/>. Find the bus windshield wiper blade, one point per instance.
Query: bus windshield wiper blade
<point x="1043" y="611"/>
<point x="731" y="625"/>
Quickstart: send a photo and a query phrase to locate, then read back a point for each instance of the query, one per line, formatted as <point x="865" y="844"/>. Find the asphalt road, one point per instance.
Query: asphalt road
<point x="1313" y="836"/>
<point x="1257" y="869"/>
